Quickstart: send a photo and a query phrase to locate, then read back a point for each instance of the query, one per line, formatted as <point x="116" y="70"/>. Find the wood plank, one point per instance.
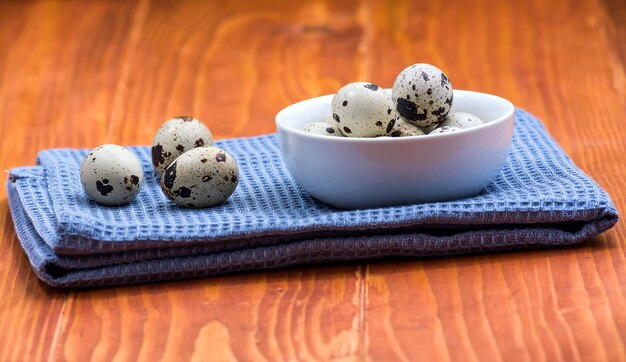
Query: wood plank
<point x="234" y="65"/>
<point x="202" y="59"/>
<point x="75" y="74"/>
<point x="293" y="314"/>
<point x="59" y="62"/>
<point x="563" y="304"/>
<point x="615" y="31"/>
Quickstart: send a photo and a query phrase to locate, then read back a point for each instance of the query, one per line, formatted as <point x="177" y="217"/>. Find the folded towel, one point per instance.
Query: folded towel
<point x="539" y="198"/>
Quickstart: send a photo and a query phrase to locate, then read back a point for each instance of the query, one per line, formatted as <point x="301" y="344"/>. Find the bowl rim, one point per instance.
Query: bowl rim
<point x="282" y="123"/>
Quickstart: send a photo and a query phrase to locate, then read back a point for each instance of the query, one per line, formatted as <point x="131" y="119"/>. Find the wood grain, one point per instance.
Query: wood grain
<point x="78" y="74"/>
<point x="57" y="63"/>
<point x="548" y="305"/>
<point x="305" y="314"/>
<point x="234" y="64"/>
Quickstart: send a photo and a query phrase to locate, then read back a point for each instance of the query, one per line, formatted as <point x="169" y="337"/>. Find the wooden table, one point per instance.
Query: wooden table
<point x="83" y="73"/>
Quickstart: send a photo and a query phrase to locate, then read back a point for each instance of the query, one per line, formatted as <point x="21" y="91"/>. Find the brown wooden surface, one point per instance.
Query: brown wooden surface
<point x="82" y="73"/>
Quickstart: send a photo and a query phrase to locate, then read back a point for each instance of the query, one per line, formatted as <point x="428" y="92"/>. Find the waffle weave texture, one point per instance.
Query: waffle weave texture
<point x="539" y="198"/>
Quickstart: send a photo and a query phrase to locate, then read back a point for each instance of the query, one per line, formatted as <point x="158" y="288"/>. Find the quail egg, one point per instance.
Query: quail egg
<point x="363" y="109"/>
<point x="111" y="175"/>
<point x="444" y="129"/>
<point x="176" y="136"/>
<point x="403" y="129"/>
<point x="462" y="120"/>
<point x="201" y="177"/>
<point x="323" y="128"/>
<point x="422" y="95"/>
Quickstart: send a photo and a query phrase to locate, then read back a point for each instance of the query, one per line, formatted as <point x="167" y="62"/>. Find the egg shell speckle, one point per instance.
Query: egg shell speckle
<point x="111" y="175"/>
<point x="201" y="177"/>
<point x="323" y="129"/>
<point x="405" y="129"/>
<point x="462" y="120"/>
<point x="175" y="137"/>
<point x="363" y="109"/>
<point x="445" y="129"/>
<point x="422" y="95"/>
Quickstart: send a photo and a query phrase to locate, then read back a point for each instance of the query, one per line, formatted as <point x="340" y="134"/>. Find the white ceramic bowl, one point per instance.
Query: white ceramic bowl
<point x="357" y="173"/>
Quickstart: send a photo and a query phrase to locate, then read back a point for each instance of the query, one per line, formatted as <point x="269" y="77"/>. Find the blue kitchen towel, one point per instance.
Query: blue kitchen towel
<point x="539" y="198"/>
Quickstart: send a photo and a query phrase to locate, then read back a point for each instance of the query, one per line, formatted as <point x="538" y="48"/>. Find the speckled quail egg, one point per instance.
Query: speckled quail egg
<point x="404" y="129"/>
<point x="422" y="95"/>
<point x="323" y="128"/>
<point x="201" y="177"/>
<point x="462" y="120"/>
<point x="176" y="136"/>
<point x="444" y="129"/>
<point x="111" y="175"/>
<point x="363" y="109"/>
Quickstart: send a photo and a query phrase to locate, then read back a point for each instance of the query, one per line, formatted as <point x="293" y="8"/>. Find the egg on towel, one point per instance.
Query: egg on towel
<point x="175" y="137"/>
<point x="111" y="175"/>
<point x="201" y="177"/>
